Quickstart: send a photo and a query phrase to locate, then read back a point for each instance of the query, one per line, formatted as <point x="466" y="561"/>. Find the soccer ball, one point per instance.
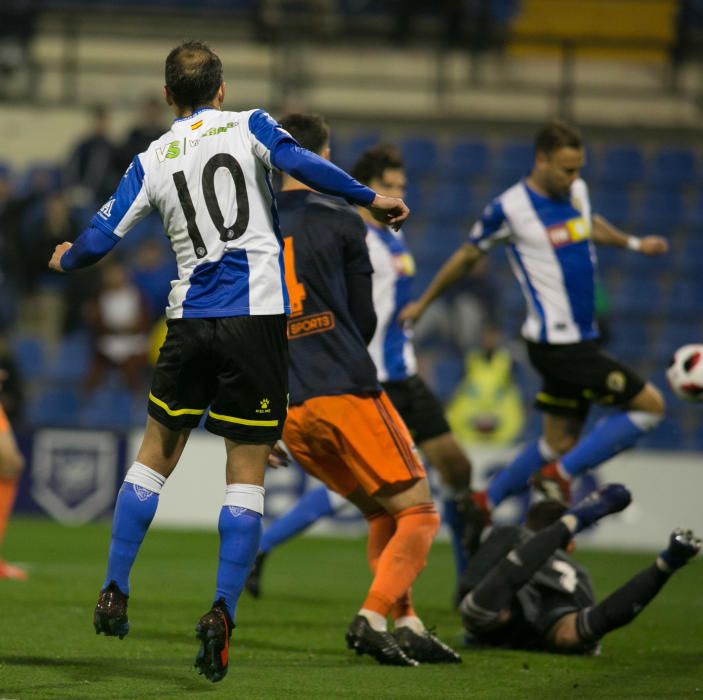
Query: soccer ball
<point x="685" y="373"/>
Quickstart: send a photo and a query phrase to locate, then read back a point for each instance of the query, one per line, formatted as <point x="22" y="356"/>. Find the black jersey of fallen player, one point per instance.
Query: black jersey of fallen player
<point x="560" y="586"/>
<point x="325" y="240"/>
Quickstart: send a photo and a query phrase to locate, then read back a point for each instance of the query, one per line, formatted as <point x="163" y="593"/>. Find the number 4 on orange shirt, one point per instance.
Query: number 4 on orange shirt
<point x="296" y="289"/>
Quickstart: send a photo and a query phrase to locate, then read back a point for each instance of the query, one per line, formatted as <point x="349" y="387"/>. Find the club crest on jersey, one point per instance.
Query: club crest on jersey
<point x="106" y="209"/>
<point x="571" y="231"/>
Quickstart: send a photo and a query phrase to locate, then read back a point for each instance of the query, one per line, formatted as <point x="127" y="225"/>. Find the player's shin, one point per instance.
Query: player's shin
<point x="622" y="606"/>
<point x="453" y="519"/>
<point x="516" y="476"/>
<point x="609" y="437"/>
<point x="134" y="510"/>
<point x="240" y="536"/>
<point x="403" y="557"/>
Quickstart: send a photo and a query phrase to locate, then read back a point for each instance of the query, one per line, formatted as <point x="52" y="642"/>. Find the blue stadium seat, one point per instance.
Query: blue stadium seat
<point x="452" y="203"/>
<point x="622" y="165"/>
<point x="612" y="204"/>
<point x="468" y="159"/>
<point x="639" y="297"/>
<point x="107" y="408"/>
<point x="685" y="302"/>
<point x="673" y="168"/>
<point x="415" y="198"/>
<point x="662" y="212"/>
<point x="436" y="245"/>
<point x="514" y="161"/>
<point x="30" y="356"/>
<point x="72" y="359"/>
<point x="356" y="146"/>
<point x="693" y="217"/>
<point x="419" y="155"/>
<point x="57" y="407"/>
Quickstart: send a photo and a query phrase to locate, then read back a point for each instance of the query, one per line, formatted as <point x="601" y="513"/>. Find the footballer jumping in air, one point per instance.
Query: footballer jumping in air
<point x="225" y="352"/>
<point x="546" y="223"/>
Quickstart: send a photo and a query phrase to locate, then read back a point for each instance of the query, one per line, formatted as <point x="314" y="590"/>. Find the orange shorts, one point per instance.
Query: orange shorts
<point x="4" y="423"/>
<point x="349" y="441"/>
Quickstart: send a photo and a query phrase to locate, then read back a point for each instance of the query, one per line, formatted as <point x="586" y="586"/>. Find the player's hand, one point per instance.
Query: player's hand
<point x="278" y="456"/>
<point x="411" y="312"/>
<point x="391" y="211"/>
<point x="55" y="262"/>
<point x="653" y="245"/>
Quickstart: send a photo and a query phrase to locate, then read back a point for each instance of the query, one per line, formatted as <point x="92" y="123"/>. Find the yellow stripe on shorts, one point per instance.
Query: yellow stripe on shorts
<point x="178" y="411"/>
<point x="245" y="421"/>
<point x="556" y="401"/>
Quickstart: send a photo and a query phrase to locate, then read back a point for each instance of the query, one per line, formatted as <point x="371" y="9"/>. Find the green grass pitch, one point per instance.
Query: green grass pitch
<point x="290" y="643"/>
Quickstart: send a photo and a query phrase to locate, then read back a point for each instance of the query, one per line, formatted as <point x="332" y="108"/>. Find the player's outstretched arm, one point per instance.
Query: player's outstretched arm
<point x="323" y="176"/>
<point x="604" y="233"/>
<point x="457" y="266"/>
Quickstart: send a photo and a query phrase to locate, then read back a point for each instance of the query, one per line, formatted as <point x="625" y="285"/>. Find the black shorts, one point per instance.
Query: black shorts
<point x="238" y="366"/>
<point x="418" y="407"/>
<point x="576" y="374"/>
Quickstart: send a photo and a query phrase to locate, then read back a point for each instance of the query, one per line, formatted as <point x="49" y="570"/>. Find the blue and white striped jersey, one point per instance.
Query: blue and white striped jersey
<point x="552" y="256"/>
<point x="393" y="271"/>
<point x="208" y="177"/>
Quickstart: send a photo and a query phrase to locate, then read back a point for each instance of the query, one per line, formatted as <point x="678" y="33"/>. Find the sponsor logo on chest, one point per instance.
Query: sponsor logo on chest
<point x="572" y="231"/>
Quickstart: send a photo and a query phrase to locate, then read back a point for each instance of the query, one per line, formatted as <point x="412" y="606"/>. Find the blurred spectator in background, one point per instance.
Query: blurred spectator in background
<point x="487" y="406"/>
<point x="9" y="254"/>
<point x="90" y="173"/>
<point x="154" y="269"/>
<point x="17" y="22"/>
<point x="275" y="19"/>
<point x="688" y="34"/>
<point x="152" y="124"/>
<point x="118" y="321"/>
<point x="11" y="385"/>
<point x="50" y="224"/>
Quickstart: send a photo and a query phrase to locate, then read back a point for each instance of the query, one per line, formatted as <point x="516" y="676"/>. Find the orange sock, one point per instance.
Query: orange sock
<point x="381" y="529"/>
<point x="8" y="491"/>
<point x="403" y="557"/>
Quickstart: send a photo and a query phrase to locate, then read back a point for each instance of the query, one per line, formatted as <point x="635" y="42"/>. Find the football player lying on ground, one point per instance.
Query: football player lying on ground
<point x="523" y="591"/>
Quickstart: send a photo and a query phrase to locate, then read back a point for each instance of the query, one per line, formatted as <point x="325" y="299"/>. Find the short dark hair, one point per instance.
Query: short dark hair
<point x="557" y="134"/>
<point x="311" y="131"/>
<point x="193" y="74"/>
<point x="375" y="160"/>
<point x="543" y="513"/>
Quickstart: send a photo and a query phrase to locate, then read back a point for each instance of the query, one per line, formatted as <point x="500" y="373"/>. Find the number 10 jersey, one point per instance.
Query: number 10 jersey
<point x="209" y="179"/>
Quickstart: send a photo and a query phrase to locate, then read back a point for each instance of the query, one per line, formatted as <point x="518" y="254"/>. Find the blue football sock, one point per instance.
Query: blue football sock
<point x="610" y="436"/>
<point x="240" y="534"/>
<point x="515" y="477"/>
<point x="134" y="512"/>
<point x="311" y="506"/>
<point x="455" y="523"/>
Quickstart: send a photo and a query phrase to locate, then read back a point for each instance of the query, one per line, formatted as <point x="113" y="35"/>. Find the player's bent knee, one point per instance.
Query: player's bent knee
<point x="649" y="400"/>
